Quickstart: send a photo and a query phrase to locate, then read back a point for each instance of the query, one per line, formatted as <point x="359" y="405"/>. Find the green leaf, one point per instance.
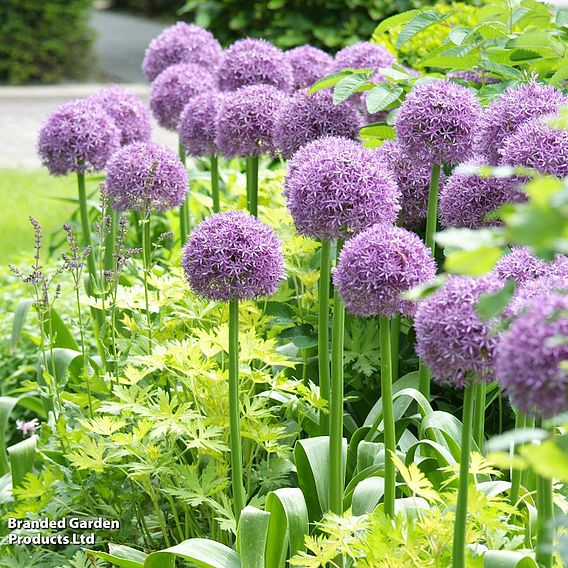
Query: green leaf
<point x="562" y="17"/>
<point x="199" y="551"/>
<point x="394" y="21"/>
<point x="491" y="305"/>
<point x="380" y="131"/>
<point x="367" y="495"/>
<point x="348" y="85"/>
<point x="515" y="437"/>
<point x="328" y="81"/>
<point x="121" y="556"/>
<point x="473" y="263"/>
<point x="504" y="70"/>
<point x="547" y="459"/>
<point x="252" y="536"/>
<point x="508" y="559"/>
<point x="560" y="75"/>
<point x="22" y="310"/>
<point x="417" y="24"/>
<point x="22" y="456"/>
<point x="61" y="334"/>
<point x="521" y="55"/>
<point x="381" y="96"/>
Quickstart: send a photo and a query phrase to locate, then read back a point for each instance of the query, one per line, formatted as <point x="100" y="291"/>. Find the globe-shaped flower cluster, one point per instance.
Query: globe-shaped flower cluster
<point x="181" y="43"/>
<point x="78" y="137"/>
<point x="233" y="256"/>
<point x="308" y="64"/>
<point x="335" y="187"/>
<point x="145" y="177"/>
<point x="253" y="62"/>
<point x="520" y="265"/>
<point x="379" y="264"/>
<point x="363" y="55"/>
<point x="197" y="127"/>
<point x="452" y="339"/>
<point x="534" y="289"/>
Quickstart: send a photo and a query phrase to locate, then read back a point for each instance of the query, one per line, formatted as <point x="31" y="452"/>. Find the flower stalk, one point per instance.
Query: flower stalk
<point x="215" y="183"/>
<point x="323" y="331"/>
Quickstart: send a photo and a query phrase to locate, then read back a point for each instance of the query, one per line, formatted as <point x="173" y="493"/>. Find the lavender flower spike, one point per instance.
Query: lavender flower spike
<point x="233" y="256"/>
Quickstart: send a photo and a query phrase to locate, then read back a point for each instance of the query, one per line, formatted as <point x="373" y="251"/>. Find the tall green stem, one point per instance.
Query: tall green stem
<point x="147" y="258"/>
<point x="336" y="481"/>
<point x="388" y="416"/>
<point x="252" y="184"/>
<point x="323" y="332"/>
<point x="86" y="227"/>
<point x="545" y="519"/>
<point x="215" y="183"/>
<point x="520" y="423"/>
<point x="460" y="526"/>
<point x="395" y="345"/>
<point x="184" y="209"/>
<point x="234" y="411"/>
<point x="110" y="238"/>
<point x="479" y="420"/>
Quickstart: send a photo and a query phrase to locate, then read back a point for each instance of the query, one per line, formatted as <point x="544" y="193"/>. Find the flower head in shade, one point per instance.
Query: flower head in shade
<point x="379" y="264"/>
<point x="413" y="179"/>
<point x="335" y="187"/>
<point x="181" y="43"/>
<point x="363" y="55"/>
<point x="529" y="356"/>
<point x="520" y="265"/>
<point x="534" y="289"/>
<point x="536" y="144"/>
<point x="515" y="106"/>
<point x="196" y="125"/>
<point x="475" y="76"/>
<point x="233" y="256"/>
<point x="77" y="137"/>
<point x="451" y="338"/>
<point x="467" y="198"/>
<point x="438" y="121"/>
<point x="245" y="121"/>
<point x="304" y="118"/>
<point x="129" y="113"/>
<point x="254" y="62"/>
<point x="308" y="64"/>
<point x="174" y="88"/>
<point x="145" y="177"/>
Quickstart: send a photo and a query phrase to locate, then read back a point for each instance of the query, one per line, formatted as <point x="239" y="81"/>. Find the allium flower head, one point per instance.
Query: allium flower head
<point x="334" y="187"/>
<point x="467" y="198"/>
<point x="438" y="121"/>
<point x="308" y="64"/>
<point x="27" y="428"/>
<point x="254" y="62"/>
<point x="363" y="55"/>
<point x="233" y="256"/>
<point x="181" y="43"/>
<point x="515" y="106"/>
<point x="475" y="76"/>
<point x="529" y="356"/>
<point x="197" y="124"/>
<point x="245" y="121"/>
<point x="77" y="137"/>
<point x="536" y="144"/>
<point x="413" y="179"/>
<point x="451" y="338"/>
<point x="379" y="264"/>
<point x="129" y="113"/>
<point x="145" y="177"/>
<point x="533" y="289"/>
<point x="174" y="88"/>
<point x="304" y="118"/>
<point x="520" y="265"/>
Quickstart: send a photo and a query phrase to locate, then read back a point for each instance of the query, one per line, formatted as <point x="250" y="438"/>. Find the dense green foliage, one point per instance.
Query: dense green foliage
<point x="44" y="41"/>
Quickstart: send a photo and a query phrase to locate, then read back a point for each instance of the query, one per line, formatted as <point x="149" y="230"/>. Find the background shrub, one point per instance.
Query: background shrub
<point x="44" y="40"/>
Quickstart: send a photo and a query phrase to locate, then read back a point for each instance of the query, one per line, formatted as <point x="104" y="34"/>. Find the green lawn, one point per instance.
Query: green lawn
<point x="32" y="193"/>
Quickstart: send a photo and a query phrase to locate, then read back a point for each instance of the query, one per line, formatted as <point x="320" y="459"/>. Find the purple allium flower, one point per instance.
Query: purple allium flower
<point x="515" y="106"/>
<point x="245" y="121"/>
<point x="363" y="55"/>
<point x="308" y="64"/>
<point x="174" y="88"/>
<point x="77" y="137"/>
<point x="559" y="266"/>
<point x="196" y="125"/>
<point x="413" y="179"/>
<point x="529" y="356"/>
<point x="533" y="289"/>
<point x="520" y="265"/>
<point x="254" y="62"/>
<point x="467" y="198"/>
<point x="181" y="43"/>
<point x="129" y="113"/>
<point x="27" y="428"/>
<point x="233" y="256"/>
<point x="451" y="338"/>
<point x="537" y="145"/>
<point x="475" y="76"/>
<point x="335" y="186"/>
<point x="304" y="118"/>
<point x="438" y="121"/>
<point x="145" y="177"/>
<point x="378" y="265"/>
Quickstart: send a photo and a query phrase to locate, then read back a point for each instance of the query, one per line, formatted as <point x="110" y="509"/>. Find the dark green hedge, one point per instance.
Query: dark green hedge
<point x="44" y="40"/>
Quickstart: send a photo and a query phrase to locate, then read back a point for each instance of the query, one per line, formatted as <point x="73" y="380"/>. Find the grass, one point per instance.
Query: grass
<point x="36" y="193"/>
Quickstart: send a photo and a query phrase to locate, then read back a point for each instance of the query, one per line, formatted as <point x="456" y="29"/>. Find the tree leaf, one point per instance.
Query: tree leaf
<point x="348" y="85"/>
<point x="473" y="263"/>
<point x="417" y="24"/>
<point x="491" y="305"/>
<point x="381" y="96"/>
<point x="328" y="81"/>
<point x="394" y="21"/>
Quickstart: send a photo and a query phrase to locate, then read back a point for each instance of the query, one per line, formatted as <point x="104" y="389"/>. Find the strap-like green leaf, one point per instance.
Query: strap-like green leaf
<point x="20" y="315"/>
<point x="121" y="556"/>
<point x="508" y="559"/>
<point x="252" y="536"/>
<point x="199" y="551"/>
<point x="22" y="457"/>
